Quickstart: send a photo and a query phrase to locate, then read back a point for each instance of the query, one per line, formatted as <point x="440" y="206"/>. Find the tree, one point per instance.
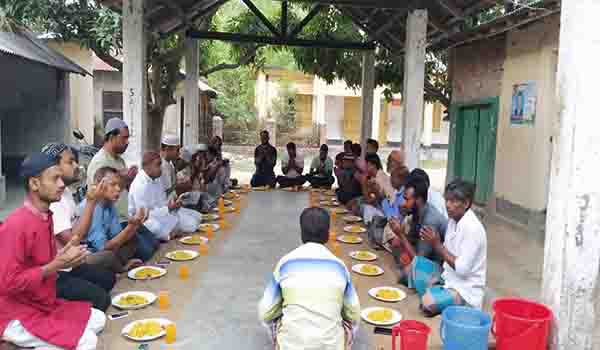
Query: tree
<point x="100" y="29"/>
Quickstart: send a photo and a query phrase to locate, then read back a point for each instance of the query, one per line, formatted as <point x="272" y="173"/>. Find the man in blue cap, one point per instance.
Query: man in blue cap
<point x="32" y="315"/>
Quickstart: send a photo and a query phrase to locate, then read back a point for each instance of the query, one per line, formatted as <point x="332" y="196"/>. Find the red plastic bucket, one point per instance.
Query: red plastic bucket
<point x="413" y="335"/>
<point x="521" y="324"/>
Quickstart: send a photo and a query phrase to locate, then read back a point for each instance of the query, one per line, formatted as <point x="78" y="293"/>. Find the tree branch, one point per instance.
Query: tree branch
<point x="223" y="66"/>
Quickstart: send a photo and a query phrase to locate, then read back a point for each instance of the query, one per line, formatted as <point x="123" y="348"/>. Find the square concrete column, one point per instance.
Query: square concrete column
<point x="570" y="283"/>
<point x="376" y="115"/>
<point x="368" y="90"/>
<point x="134" y="79"/>
<point x="191" y="130"/>
<point x="414" y="82"/>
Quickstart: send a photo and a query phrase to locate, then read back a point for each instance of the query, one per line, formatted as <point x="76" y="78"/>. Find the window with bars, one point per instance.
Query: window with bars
<point x="112" y="105"/>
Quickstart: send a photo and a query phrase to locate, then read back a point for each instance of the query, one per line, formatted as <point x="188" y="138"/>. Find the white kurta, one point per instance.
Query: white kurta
<point x="150" y="194"/>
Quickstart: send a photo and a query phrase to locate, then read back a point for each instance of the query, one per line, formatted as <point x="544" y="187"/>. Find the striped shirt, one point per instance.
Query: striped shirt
<point x="311" y="291"/>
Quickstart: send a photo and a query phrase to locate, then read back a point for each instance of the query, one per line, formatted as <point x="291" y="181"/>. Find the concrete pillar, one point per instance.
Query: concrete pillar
<point x="427" y="137"/>
<point x="414" y="81"/>
<point x="191" y="130"/>
<point x="134" y="79"/>
<point x="368" y="89"/>
<point x="321" y="125"/>
<point x="217" y="126"/>
<point x="570" y="282"/>
<point x="376" y="116"/>
<point x="271" y="127"/>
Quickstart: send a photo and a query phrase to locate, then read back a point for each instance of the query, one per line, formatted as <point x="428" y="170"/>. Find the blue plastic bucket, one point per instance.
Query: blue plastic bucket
<point x="465" y="328"/>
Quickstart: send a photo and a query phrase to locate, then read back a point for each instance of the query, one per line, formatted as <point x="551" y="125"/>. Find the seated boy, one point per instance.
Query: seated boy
<point x="113" y="246"/>
<point x="310" y="302"/>
<point x="462" y="278"/>
<point x="321" y="170"/>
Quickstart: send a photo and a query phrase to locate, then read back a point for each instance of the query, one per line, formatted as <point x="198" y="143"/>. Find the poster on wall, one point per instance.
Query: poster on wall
<point x="524" y="98"/>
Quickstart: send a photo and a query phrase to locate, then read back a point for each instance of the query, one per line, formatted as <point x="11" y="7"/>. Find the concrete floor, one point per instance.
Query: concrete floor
<point x="216" y="308"/>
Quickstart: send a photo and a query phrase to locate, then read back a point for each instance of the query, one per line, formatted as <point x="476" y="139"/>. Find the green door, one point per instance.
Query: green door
<point x="475" y="149"/>
<point x="467" y="147"/>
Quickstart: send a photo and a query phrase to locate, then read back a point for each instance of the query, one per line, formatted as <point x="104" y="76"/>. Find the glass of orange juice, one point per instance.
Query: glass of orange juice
<point x="203" y="248"/>
<point x="333" y="216"/>
<point x="163" y="300"/>
<point x="184" y="272"/>
<point x="209" y="231"/>
<point x="171" y="331"/>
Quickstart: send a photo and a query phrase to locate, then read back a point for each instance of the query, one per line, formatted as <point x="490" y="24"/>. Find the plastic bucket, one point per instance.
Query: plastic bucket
<point x="465" y="328"/>
<point x="521" y="324"/>
<point x="413" y="335"/>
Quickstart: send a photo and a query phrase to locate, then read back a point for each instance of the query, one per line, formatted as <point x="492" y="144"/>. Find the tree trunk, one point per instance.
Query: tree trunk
<point x="156" y="118"/>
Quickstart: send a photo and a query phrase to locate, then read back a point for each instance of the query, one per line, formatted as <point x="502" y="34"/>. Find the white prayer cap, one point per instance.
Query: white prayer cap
<point x="114" y="124"/>
<point x="170" y="140"/>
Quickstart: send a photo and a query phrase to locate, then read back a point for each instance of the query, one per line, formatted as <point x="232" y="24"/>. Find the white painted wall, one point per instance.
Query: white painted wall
<point x="334" y="117"/>
<point x="523" y="152"/>
<point x="395" y="116"/>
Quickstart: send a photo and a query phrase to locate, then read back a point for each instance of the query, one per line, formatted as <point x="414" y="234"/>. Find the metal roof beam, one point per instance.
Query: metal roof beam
<point x="261" y="16"/>
<point x="452" y="9"/>
<point x="379" y="4"/>
<point x="265" y="40"/>
<point x="313" y="12"/>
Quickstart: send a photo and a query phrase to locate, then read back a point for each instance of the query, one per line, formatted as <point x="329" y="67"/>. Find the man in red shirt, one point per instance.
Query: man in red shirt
<point x="32" y="315"/>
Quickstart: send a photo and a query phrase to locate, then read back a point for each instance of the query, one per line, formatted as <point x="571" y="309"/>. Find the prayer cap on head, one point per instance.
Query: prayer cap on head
<point x="114" y="124"/>
<point x="170" y="140"/>
<point x="55" y="149"/>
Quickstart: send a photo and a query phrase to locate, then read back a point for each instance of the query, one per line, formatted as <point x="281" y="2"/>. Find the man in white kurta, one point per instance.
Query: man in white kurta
<point x="166" y="217"/>
<point x="169" y="153"/>
<point x="310" y="302"/>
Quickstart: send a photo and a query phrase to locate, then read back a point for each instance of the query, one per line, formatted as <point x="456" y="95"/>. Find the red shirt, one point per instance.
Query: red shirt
<point x="26" y="244"/>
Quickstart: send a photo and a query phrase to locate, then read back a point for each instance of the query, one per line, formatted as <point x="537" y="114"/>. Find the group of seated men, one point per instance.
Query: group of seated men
<point x="292" y="167"/>
<point x="60" y="258"/>
<point x="438" y="244"/>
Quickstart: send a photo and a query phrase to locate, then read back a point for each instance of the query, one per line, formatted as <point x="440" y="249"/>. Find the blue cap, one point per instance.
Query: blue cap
<point x="36" y="163"/>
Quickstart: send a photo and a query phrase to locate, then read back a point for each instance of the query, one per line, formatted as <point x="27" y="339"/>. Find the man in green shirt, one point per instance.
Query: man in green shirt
<point x="116" y="140"/>
<point x="321" y="170"/>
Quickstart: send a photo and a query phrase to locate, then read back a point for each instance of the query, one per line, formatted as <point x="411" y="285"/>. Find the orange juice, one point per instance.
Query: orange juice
<point x="222" y="223"/>
<point x="221" y="206"/>
<point x="332" y="235"/>
<point x="203" y="248"/>
<point x="171" y="336"/>
<point x="209" y="231"/>
<point x="184" y="272"/>
<point x="333" y="217"/>
<point x="163" y="300"/>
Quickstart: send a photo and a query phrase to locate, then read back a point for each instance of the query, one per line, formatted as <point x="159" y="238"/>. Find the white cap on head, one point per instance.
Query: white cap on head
<point x="114" y="124"/>
<point x="170" y="140"/>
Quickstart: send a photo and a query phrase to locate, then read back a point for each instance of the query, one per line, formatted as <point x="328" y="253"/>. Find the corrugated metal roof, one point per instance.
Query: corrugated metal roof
<point x="24" y="44"/>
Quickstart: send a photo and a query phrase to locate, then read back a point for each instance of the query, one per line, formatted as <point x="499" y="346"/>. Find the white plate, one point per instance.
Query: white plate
<point x="131" y="273"/>
<point x="149" y="296"/>
<point x="396" y="316"/>
<point x="349" y="229"/>
<point x="340" y="210"/>
<point x="373" y="293"/>
<point x="330" y="203"/>
<point x="194" y="255"/>
<point x="356" y="268"/>
<point x="164" y="322"/>
<point x="203" y="227"/>
<point x="352" y="218"/>
<point x="185" y="240"/>
<point x="227" y="210"/>
<point x="260" y="189"/>
<point x="210" y="217"/>
<point x="342" y="239"/>
<point x="354" y="255"/>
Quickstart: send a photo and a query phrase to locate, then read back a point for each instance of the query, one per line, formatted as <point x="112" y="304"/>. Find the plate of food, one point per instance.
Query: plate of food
<point x="193" y="240"/>
<point x="231" y="195"/>
<point x="210" y="217"/>
<point x="381" y="316"/>
<point x="367" y="269"/>
<point x="355" y="229"/>
<point x="330" y="193"/>
<point x="327" y="203"/>
<point x="260" y="188"/>
<point x="227" y="210"/>
<point x="350" y="239"/>
<point x="146" y="273"/>
<point x="388" y="294"/>
<point x="352" y="218"/>
<point x="363" y="255"/>
<point x="146" y="329"/>
<point x="204" y="227"/>
<point x="182" y="255"/>
<point x="340" y="210"/>
<point x="227" y="202"/>
<point x="133" y="300"/>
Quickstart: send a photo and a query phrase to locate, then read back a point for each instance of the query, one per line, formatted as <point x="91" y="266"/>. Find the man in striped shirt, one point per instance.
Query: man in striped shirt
<point x="310" y="302"/>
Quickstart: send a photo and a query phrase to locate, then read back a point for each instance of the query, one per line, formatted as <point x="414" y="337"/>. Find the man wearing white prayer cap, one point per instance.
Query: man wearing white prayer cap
<point x="169" y="153"/>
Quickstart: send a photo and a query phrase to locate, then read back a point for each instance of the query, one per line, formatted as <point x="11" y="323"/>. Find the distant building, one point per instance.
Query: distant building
<point x="36" y="100"/>
<point x="332" y="112"/>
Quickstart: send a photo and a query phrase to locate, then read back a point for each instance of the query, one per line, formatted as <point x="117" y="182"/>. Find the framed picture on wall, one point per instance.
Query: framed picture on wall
<point x="523" y="106"/>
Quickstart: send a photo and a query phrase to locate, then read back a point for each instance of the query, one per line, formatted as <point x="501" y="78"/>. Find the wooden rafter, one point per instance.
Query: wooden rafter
<point x="452" y="8"/>
<point x="394" y="20"/>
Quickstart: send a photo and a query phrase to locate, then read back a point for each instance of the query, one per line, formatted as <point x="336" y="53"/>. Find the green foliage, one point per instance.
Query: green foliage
<point x="283" y="108"/>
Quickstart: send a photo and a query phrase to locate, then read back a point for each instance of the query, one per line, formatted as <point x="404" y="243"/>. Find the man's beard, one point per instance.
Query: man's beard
<point x="70" y="180"/>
